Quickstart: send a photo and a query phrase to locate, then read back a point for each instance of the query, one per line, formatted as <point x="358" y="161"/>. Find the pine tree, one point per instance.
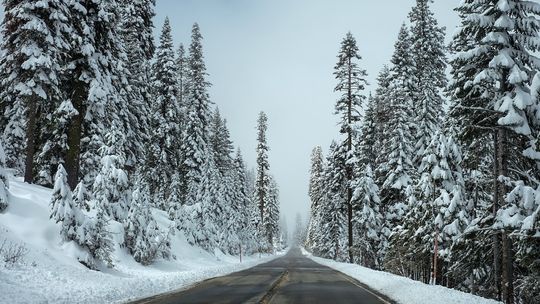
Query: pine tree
<point x="111" y="185"/>
<point x="212" y="207"/>
<point x="367" y="137"/>
<point x="196" y="135"/>
<point x="246" y="228"/>
<point x="143" y="238"/>
<point x="505" y="63"/>
<point x="94" y="83"/>
<point x="15" y="136"/>
<point x="262" y="183"/>
<point x="34" y="45"/>
<point x="315" y="194"/>
<point x="183" y="75"/>
<point x="137" y="27"/>
<point x="175" y="200"/>
<point x="271" y="214"/>
<point x="368" y="220"/>
<point x="299" y="230"/>
<point x="221" y="143"/>
<point x="351" y="83"/>
<point x="440" y="211"/>
<point x="164" y="147"/>
<point x="63" y="209"/>
<point x="396" y="170"/>
<point x="468" y="116"/>
<point x="54" y="148"/>
<point x="383" y="112"/>
<point x="94" y="237"/>
<point x="428" y="52"/>
<point x="333" y="241"/>
<point x="227" y="215"/>
<point x="81" y="197"/>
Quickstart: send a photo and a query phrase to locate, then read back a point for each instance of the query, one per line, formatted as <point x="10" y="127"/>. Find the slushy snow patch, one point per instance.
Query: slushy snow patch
<point x="50" y="272"/>
<point x="400" y="289"/>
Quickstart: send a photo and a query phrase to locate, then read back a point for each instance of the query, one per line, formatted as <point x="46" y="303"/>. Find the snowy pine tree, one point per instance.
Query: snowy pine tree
<point x="271" y="214"/>
<point x="367" y="137"/>
<point x="63" y="208"/>
<point x="397" y="171"/>
<point x="262" y="183"/>
<point x="351" y="83"/>
<point x="34" y="44"/>
<point x="111" y="185"/>
<point x="315" y="194"/>
<point x="196" y="134"/>
<point x="222" y="146"/>
<point x="143" y="238"/>
<point x="368" y="220"/>
<point x="164" y="143"/>
<point x="428" y="52"/>
<point x="243" y="206"/>
<point x="137" y="27"/>
<point x="333" y="241"/>
<point x="504" y="55"/>
<point x="183" y="74"/>
<point x="94" y="237"/>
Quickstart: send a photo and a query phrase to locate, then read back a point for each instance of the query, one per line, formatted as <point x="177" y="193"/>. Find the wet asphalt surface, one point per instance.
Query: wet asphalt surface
<point x="292" y="278"/>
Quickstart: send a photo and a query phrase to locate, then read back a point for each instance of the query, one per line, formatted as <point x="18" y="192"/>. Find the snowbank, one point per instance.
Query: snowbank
<point x="402" y="290"/>
<point x="50" y="273"/>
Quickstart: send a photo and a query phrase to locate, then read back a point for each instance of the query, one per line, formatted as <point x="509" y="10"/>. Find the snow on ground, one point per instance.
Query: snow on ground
<point x="402" y="290"/>
<point x="50" y="273"/>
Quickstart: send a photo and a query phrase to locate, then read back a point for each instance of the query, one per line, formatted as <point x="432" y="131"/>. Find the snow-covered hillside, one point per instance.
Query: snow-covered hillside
<point x="401" y="289"/>
<point x="50" y="272"/>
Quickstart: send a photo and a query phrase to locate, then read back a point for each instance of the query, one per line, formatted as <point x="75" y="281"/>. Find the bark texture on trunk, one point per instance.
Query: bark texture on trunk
<point x="74" y="134"/>
<point x="30" y="139"/>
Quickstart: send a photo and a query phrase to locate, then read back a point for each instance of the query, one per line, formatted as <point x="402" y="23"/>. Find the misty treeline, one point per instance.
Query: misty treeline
<point x="126" y="134"/>
<point x="433" y="178"/>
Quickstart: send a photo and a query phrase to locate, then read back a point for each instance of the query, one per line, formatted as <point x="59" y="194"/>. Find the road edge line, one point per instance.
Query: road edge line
<point x="384" y="298"/>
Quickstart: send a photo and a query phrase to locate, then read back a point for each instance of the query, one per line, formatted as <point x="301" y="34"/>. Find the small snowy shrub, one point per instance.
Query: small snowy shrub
<point x="11" y="253"/>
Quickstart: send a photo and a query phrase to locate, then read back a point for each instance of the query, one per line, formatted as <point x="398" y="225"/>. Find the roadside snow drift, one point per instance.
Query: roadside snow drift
<point x="50" y="272"/>
<point x="400" y="289"/>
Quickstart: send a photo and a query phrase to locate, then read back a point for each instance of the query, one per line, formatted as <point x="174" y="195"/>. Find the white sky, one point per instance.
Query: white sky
<point x="278" y="56"/>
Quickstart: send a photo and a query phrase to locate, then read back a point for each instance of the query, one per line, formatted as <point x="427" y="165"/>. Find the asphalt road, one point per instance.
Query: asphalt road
<point x="292" y="278"/>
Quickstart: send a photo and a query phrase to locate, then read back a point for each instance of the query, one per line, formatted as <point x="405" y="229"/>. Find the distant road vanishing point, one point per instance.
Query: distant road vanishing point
<point x="292" y="278"/>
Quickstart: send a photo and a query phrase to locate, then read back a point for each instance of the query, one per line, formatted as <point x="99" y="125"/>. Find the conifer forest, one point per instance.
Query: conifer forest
<point x="116" y="162"/>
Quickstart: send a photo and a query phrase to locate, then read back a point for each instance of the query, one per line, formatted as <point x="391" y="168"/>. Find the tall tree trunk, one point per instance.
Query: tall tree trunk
<point x="261" y="200"/>
<point x="507" y="250"/>
<point x="74" y="134"/>
<point x="348" y="166"/>
<point x="30" y="139"/>
<point x="508" y="269"/>
<point x="495" y="208"/>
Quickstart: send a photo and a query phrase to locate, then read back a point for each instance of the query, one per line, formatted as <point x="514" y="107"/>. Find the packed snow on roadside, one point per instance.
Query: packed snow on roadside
<point x="401" y="289"/>
<point x="50" y="273"/>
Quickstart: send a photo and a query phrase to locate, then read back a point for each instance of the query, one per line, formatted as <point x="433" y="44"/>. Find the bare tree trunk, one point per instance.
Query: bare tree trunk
<point x="349" y="169"/>
<point x="30" y="140"/>
<point x="508" y="269"/>
<point x="74" y="134"/>
<point x="496" y="236"/>
<point x="507" y="250"/>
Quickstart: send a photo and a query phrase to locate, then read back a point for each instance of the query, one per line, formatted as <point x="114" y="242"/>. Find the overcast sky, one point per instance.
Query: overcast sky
<point x="278" y="56"/>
